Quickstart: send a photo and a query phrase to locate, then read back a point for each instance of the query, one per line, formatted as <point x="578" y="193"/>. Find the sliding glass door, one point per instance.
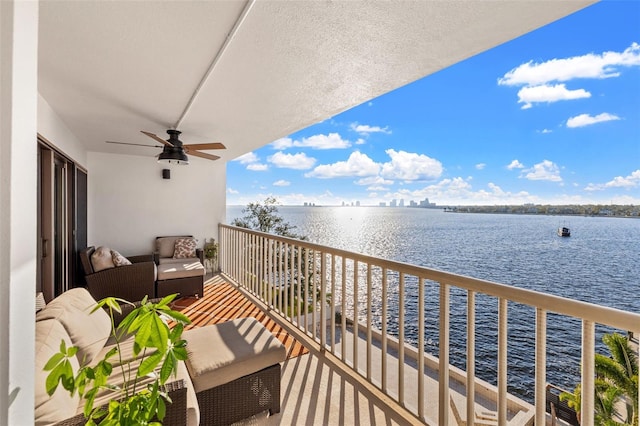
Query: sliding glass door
<point x="62" y="221"/>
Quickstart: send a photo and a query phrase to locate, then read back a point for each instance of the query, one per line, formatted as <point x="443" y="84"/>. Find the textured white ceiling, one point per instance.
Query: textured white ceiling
<point x="112" y="68"/>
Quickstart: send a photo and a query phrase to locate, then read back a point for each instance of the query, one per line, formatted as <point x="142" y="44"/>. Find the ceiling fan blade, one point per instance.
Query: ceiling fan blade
<point x="156" y="138"/>
<point x="201" y="154"/>
<point x="135" y="144"/>
<point x="212" y="145"/>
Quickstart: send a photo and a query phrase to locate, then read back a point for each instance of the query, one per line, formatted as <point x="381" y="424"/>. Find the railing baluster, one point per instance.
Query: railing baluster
<point x="299" y="286"/>
<point x="471" y="354"/>
<point x="323" y="297"/>
<point x="443" y="361"/>
<point x="541" y="366"/>
<point x="284" y="293"/>
<point x="369" y="319"/>
<point x="306" y="291"/>
<point x="384" y="330"/>
<point x="343" y="314"/>
<point x="502" y="361"/>
<point x="356" y="277"/>
<point x="333" y="303"/>
<point x="421" y="320"/>
<point x="292" y="287"/>
<point x="588" y="372"/>
<point x="401" y="340"/>
<point x="256" y="266"/>
<point x="314" y="298"/>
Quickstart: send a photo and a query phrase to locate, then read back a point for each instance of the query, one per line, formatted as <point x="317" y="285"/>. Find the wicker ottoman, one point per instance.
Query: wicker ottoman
<point x="235" y="370"/>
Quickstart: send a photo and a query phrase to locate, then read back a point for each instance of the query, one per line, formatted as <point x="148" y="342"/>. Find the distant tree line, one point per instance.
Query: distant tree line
<point x="572" y="209"/>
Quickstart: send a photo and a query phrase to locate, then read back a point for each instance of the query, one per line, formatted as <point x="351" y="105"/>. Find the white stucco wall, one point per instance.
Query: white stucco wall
<point x="18" y="220"/>
<point x="55" y="131"/>
<point x="130" y="204"/>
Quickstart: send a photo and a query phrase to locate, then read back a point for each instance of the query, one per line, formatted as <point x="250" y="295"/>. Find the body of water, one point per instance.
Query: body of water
<point x="597" y="264"/>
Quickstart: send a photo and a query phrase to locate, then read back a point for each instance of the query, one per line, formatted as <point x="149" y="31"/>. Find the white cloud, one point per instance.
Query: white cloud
<point x="605" y="65"/>
<point x="546" y="170"/>
<point x="587" y="120"/>
<point x="281" y="182"/>
<point x="515" y="164"/>
<point x="365" y="129"/>
<point x="405" y="166"/>
<point x="545" y="93"/>
<point x="247" y="158"/>
<point x="298" y="161"/>
<point x="631" y="181"/>
<point x="480" y="166"/>
<point x="410" y="166"/>
<point x="282" y="143"/>
<point x="376" y="188"/>
<point x="545" y="131"/>
<point x="257" y="167"/>
<point x="358" y="164"/>
<point x="232" y="191"/>
<point x="330" y="141"/>
<point x="373" y="180"/>
<point x="360" y="141"/>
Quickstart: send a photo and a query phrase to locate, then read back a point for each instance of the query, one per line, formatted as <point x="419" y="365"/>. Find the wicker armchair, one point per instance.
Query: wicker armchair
<point x="131" y="282"/>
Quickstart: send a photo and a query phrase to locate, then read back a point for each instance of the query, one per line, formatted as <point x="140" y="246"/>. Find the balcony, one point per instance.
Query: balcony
<point x="354" y="373"/>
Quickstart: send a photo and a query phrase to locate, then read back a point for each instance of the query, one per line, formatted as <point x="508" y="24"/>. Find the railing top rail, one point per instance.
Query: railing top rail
<point x="613" y="317"/>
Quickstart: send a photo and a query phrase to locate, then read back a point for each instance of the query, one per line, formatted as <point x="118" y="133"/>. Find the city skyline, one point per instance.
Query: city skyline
<point x="552" y="117"/>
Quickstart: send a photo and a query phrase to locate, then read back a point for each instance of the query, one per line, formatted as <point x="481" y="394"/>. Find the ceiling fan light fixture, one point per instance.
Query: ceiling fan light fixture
<point x="173" y="156"/>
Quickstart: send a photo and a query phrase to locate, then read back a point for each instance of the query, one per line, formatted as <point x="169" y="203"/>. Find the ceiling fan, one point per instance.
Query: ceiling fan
<point x="174" y="151"/>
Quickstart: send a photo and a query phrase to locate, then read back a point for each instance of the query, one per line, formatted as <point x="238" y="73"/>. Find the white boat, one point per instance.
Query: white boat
<point x="563" y="231"/>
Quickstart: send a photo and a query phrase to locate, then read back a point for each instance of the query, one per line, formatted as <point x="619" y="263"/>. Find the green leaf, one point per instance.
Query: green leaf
<point x="168" y="367"/>
<point x="53" y="361"/>
<point x="178" y="316"/>
<point x="176" y="332"/>
<point x="149" y="364"/>
<point x="159" y="334"/>
<point x="71" y="352"/>
<point x="180" y="353"/>
<point x="167" y="299"/>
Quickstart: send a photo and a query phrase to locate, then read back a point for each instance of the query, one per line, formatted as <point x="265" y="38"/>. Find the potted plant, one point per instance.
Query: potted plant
<point x="156" y="345"/>
<point x="211" y="254"/>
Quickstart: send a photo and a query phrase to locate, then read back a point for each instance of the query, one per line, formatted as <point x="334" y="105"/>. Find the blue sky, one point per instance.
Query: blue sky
<point x="552" y="117"/>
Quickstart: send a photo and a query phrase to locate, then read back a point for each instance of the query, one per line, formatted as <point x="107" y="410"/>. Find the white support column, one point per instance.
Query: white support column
<point x="18" y="204"/>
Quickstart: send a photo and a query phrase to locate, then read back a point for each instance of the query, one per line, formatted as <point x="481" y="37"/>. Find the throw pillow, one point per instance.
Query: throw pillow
<point x="185" y="248"/>
<point x="118" y="259"/>
<point x="101" y="259"/>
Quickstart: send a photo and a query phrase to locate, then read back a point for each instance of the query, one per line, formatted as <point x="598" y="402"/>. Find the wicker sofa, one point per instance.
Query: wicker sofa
<point x="68" y="317"/>
<point x="232" y="371"/>
<point x="129" y="282"/>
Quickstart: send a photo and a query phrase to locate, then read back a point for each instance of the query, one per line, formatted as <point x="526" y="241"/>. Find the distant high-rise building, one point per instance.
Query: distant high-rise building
<point x="382" y="204"/>
<point x="357" y="203"/>
<point x="401" y="202"/>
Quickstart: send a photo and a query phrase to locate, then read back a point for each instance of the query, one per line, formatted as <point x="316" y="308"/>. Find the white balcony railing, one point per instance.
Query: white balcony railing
<point x="294" y="277"/>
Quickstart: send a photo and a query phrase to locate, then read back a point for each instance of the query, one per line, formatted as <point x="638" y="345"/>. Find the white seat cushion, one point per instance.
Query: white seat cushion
<point x="179" y="269"/>
<point x="221" y="353"/>
<point x="88" y="330"/>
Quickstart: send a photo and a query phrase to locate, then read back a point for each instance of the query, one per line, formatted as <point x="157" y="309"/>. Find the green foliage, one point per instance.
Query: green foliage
<point x="264" y="217"/>
<point x="159" y="347"/>
<point x="210" y="249"/>
<point x="616" y="382"/>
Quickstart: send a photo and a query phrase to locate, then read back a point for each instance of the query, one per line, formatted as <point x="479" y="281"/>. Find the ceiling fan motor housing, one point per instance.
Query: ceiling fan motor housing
<point x="175" y="153"/>
<point x="173" y="137"/>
